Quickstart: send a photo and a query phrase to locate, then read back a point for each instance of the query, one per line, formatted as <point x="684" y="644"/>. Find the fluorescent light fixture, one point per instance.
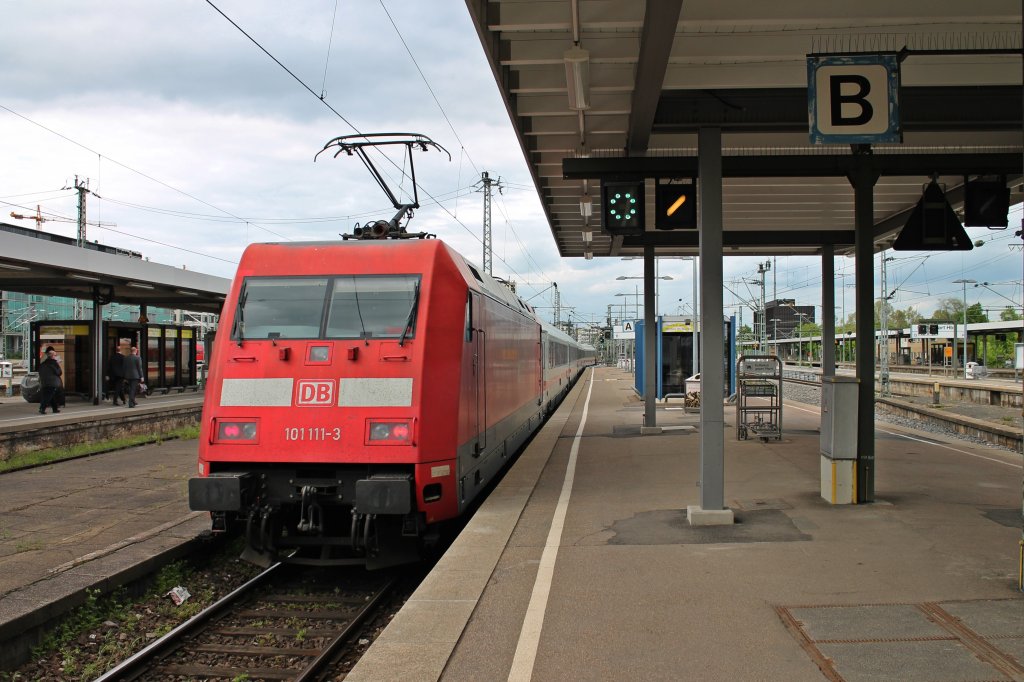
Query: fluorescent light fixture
<point x="187" y="293"/>
<point x="586" y="206"/>
<point x="588" y="236"/>
<point x="11" y="266"/>
<point x="577" y="77"/>
<point x="588" y="254"/>
<point x="84" y="278"/>
<point x="140" y="285"/>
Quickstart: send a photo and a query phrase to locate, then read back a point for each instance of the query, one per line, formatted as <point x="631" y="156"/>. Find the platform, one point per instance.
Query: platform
<point x="91" y="523"/>
<point x="23" y="429"/>
<point x="581" y="564"/>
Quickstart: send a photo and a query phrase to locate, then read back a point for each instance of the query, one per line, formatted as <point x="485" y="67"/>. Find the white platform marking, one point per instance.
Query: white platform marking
<point x="533" y="622"/>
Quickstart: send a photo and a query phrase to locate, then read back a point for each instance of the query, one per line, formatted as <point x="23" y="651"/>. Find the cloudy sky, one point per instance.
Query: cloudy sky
<point x="198" y="144"/>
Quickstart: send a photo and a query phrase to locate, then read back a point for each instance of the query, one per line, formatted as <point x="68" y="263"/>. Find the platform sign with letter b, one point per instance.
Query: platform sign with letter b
<point x="853" y="99"/>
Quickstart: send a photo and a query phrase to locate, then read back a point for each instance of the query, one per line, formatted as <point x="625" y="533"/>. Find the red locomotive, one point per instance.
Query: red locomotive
<point x="368" y="391"/>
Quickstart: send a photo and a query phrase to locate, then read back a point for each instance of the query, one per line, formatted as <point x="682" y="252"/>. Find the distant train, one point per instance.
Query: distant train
<point x="368" y="391"/>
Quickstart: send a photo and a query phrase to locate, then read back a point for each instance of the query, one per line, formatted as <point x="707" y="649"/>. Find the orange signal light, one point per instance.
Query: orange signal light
<point x="675" y="207"/>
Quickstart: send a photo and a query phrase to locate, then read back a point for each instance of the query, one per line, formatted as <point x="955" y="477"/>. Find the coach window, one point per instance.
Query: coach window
<point x="282" y="307"/>
<point x="373" y="306"/>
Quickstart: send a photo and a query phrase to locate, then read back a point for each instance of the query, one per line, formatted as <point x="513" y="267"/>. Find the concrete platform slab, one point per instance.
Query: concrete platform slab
<point x="628" y="590"/>
<point x="67" y="528"/>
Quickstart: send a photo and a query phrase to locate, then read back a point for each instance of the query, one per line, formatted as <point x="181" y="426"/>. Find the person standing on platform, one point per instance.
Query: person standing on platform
<point x="50" y="381"/>
<point x="133" y="374"/>
<point x="116" y="372"/>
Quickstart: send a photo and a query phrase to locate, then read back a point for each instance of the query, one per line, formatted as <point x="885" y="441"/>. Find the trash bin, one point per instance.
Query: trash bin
<point x="693" y="384"/>
<point x="6" y="378"/>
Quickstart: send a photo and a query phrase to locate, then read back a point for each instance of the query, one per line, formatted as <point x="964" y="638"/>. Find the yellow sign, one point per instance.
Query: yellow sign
<point x="64" y="330"/>
<point x="668" y="327"/>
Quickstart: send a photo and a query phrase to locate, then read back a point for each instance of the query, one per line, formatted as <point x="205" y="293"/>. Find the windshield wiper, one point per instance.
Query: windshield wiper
<point x="412" y="314"/>
<point x="359" y="312"/>
<point x="236" y="329"/>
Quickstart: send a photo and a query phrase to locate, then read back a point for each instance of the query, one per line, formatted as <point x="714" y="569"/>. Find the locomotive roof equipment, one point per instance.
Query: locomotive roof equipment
<point x="358" y="144"/>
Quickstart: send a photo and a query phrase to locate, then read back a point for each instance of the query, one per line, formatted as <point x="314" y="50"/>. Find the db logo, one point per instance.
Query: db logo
<point x="314" y="392"/>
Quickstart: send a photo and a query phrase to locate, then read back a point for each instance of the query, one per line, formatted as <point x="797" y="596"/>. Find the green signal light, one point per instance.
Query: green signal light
<point x="632" y="200"/>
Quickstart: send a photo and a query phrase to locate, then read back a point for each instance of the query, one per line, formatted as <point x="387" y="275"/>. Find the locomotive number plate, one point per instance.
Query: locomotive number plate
<point x="318" y="433"/>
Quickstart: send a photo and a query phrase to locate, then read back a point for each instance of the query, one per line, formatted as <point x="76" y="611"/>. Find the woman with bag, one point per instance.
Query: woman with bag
<point x="50" y="380"/>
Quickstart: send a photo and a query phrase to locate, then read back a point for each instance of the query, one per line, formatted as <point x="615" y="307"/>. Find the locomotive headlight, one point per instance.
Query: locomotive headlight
<point x="236" y="431"/>
<point x="389" y="432"/>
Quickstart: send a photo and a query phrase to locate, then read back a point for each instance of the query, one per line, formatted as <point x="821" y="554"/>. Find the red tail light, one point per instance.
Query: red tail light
<point x="235" y="431"/>
<point x="389" y="433"/>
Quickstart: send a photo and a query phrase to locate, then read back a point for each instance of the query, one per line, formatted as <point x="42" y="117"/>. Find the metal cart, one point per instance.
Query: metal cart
<point x="759" y="397"/>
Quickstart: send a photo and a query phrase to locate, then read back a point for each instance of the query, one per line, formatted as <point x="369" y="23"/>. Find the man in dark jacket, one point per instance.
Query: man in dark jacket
<point x="133" y="374"/>
<point x="115" y="371"/>
<point x="50" y="381"/>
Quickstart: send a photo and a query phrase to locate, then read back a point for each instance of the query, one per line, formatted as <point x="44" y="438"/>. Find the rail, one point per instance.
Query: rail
<point x="153" y="659"/>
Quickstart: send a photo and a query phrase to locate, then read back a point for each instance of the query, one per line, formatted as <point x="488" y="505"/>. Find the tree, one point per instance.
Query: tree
<point x="1009" y="314"/>
<point x="975" y="314"/>
<point x="898" y="319"/>
<point x="902" y="319"/>
<point x="951" y="310"/>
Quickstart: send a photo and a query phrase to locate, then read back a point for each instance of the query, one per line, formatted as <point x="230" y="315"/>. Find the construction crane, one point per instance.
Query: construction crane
<point x="40" y="219"/>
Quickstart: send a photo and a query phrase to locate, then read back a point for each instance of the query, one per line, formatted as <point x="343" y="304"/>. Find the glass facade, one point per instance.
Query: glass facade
<point x="17" y="310"/>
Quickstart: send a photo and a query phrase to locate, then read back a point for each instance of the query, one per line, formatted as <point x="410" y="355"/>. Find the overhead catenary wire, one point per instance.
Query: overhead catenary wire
<point x="137" y="172"/>
<point x="330" y="42"/>
<point x="68" y="219"/>
<point x="351" y="125"/>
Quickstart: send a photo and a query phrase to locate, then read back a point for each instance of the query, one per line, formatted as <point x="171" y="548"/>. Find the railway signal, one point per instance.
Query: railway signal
<point x="676" y="206"/>
<point x="623" y="204"/>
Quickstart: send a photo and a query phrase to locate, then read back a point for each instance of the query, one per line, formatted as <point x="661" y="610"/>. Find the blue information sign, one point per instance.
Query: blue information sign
<point x="853" y="99"/>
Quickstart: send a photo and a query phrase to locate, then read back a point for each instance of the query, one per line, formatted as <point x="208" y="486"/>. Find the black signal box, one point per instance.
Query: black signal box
<point x="676" y="205"/>
<point x="986" y="203"/>
<point x="622" y="205"/>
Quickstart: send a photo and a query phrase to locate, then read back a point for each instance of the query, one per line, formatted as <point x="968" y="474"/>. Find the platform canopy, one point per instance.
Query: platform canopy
<point x="35" y="264"/>
<point x="588" y="83"/>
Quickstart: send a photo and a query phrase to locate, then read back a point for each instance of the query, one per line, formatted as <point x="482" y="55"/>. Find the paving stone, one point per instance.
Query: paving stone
<point x="887" y="621"/>
<point x="908" y="662"/>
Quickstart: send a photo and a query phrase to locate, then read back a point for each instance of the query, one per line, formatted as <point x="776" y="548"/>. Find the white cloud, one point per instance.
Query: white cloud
<point x="171" y="89"/>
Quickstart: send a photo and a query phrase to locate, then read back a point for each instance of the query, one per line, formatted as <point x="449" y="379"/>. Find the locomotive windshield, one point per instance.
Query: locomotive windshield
<point x="373" y="307"/>
<point x="357" y="307"/>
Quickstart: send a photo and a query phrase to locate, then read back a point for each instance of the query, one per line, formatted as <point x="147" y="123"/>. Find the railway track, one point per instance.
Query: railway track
<point x="978" y="429"/>
<point x="284" y="624"/>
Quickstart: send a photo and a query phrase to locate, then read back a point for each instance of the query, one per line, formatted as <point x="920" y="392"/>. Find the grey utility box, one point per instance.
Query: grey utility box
<point x="839" y="417"/>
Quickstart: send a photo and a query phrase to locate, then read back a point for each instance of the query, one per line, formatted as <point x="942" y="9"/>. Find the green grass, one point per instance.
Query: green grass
<point x="30" y="459"/>
<point x="123" y="610"/>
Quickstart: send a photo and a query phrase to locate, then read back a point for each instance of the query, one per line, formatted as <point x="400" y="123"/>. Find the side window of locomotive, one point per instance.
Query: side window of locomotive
<point x="365" y="307"/>
<point x="469" y="317"/>
<point x="282" y="307"/>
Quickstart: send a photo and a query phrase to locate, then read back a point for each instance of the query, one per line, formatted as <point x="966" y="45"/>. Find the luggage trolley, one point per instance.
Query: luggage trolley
<point x="759" y="397"/>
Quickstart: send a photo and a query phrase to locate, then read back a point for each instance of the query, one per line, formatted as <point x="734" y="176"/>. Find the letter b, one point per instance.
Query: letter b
<point x="859" y="98"/>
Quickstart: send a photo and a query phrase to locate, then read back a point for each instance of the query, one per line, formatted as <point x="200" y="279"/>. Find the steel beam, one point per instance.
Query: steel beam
<point x="793" y="166"/>
<point x="651" y="364"/>
<point x="656" y="38"/>
<point x="712" y="375"/>
<point x="828" y="311"/>
<point x="737" y="238"/>
<point x="772" y="110"/>
<point x="863" y="178"/>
